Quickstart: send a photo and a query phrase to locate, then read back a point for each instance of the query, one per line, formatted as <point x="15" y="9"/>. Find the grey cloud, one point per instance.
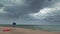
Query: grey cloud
<point x="55" y="18"/>
<point x="1" y="5"/>
<point x="31" y="6"/>
<point x="19" y="13"/>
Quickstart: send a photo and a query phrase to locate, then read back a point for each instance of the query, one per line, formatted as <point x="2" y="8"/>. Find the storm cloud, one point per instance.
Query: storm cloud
<point x="49" y="14"/>
<point x="29" y="11"/>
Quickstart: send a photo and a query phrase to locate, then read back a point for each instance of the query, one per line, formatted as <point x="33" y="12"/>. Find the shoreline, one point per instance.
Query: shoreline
<point x="25" y="31"/>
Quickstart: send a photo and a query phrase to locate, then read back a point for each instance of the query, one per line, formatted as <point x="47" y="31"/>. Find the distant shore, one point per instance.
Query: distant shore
<point x="25" y="31"/>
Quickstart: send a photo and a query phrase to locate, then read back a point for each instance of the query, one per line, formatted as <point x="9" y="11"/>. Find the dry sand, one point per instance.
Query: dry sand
<point x="25" y="31"/>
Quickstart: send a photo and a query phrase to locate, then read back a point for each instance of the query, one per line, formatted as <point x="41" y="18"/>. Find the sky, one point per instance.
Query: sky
<point x="33" y="12"/>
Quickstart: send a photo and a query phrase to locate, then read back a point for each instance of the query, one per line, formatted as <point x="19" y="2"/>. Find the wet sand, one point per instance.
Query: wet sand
<point x="25" y="31"/>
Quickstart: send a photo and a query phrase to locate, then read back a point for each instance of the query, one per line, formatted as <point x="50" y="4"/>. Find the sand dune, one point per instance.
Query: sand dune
<point x="25" y="31"/>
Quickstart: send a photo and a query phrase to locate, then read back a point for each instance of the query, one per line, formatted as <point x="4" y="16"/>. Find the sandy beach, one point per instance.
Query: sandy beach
<point x="25" y="31"/>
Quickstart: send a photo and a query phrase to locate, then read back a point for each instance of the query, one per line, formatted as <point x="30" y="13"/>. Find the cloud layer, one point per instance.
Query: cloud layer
<point x="49" y="14"/>
<point x="29" y="11"/>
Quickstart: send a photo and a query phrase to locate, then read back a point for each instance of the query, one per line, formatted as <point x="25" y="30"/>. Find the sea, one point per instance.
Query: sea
<point x="51" y="28"/>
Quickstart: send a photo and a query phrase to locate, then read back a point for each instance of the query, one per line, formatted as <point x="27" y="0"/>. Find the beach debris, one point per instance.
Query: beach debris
<point x="7" y="29"/>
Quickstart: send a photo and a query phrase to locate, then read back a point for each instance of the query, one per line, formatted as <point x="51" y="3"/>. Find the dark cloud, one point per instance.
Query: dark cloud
<point x="31" y="6"/>
<point x="1" y="5"/>
<point x="55" y="18"/>
<point x="19" y="12"/>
